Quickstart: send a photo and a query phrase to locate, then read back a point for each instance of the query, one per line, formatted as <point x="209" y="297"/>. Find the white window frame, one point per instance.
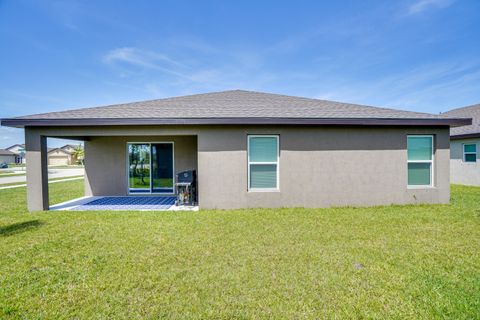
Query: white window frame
<point x="465" y="153"/>
<point x="432" y="162"/>
<point x="277" y="163"/>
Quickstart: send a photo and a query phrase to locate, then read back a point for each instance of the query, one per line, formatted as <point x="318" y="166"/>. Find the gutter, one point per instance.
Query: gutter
<point x="23" y="122"/>
<point x="465" y="136"/>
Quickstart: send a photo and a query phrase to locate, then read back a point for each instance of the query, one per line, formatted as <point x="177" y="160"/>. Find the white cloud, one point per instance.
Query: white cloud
<point x="142" y="58"/>
<point x="212" y="69"/>
<point x="429" y="88"/>
<point x="136" y="56"/>
<point x="423" y="5"/>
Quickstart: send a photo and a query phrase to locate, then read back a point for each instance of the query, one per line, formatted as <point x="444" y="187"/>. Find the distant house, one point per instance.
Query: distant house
<point x="77" y="158"/>
<point x="63" y="156"/>
<point x="7" y="156"/>
<point x="251" y="149"/>
<point x="56" y="156"/>
<point x="465" y="147"/>
<point x="69" y="148"/>
<point x="19" y="151"/>
<point x="59" y="157"/>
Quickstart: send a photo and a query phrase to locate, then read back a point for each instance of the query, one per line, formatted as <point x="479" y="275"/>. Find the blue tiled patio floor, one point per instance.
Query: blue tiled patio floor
<point x="129" y="203"/>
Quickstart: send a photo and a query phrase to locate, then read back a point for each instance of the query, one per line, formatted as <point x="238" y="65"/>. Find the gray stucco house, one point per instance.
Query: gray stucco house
<point x="465" y="147"/>
<point x="7" y="156"/>
<point x="19" y="151"/>
<point x="251" y="149"/>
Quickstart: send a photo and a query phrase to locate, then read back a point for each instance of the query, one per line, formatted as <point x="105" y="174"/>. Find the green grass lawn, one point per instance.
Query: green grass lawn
<point x="52" y="179"/>
<point x="70" y="166"/>
<point x="11" y="174"/>
<point x="385" y="262"/>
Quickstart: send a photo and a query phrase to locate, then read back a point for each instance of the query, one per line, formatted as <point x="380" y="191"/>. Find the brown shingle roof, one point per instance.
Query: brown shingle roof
<point x="466" y="112"/>
<point x="15" y="145"/>
<point x="50" y="150"/>
<point x="241" y="106"/>
<point x="4" y="152"/>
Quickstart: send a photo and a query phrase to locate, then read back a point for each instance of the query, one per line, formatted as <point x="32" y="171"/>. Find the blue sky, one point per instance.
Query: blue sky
<point x="421" y="55"/>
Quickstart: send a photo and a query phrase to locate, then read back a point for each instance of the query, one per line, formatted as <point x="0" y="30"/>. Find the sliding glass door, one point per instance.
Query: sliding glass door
<point x="150" y="167"/>
<point x="139" y="167"/>
<point x="162" y="168"/>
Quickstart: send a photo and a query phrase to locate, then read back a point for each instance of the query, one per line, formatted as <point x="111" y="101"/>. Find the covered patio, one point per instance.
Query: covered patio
<point x="125" y="168"/>
<point x="130" y="203"/>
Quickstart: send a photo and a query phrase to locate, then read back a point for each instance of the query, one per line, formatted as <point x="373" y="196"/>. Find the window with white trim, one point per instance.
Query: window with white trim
<point x="470" y="152"/>
<point x="420" y="160"/>
<point x="263" y="156"/>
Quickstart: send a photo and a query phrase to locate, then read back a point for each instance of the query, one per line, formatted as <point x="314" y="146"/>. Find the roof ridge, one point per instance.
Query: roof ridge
<point x="348" y="104"/>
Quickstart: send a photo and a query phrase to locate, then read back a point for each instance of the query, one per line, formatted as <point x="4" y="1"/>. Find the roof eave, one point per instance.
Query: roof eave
<point x="465" y="136"/>
<point x="21" y="123"/>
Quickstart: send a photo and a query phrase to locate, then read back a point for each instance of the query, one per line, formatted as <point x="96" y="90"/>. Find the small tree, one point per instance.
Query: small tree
<point x="79" y="154"/>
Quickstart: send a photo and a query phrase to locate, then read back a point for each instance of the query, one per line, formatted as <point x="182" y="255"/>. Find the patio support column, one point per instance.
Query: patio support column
<point x="37" y="171"/>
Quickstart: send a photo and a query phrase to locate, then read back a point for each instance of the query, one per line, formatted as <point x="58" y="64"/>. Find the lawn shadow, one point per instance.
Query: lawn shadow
<point x="19" y="227"/>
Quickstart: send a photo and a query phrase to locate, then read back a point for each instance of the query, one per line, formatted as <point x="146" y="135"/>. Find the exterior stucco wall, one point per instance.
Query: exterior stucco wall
<point x="319" y="166"/>
<point x="57" y="157"/>
<point x="106" y="161"/>
<point x="37" y="170"/>
<point x="7" y="159"/>
<point x="464" y="172"/>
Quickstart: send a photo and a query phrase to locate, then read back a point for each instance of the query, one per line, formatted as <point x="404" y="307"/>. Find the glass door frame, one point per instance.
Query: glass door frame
<point x="149" y="143"/>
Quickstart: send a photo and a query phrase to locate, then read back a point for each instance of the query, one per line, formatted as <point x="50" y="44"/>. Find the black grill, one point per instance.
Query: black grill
<point x="186" y="176"/>
<point x="186" y="188"/>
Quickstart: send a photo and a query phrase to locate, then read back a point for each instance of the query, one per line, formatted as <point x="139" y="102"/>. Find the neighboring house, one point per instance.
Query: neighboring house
<point x="465" y="147"/>
<point x="69" y="148"/>
<point x="72" y="150"/>
<point x="251" y="149"/>
<point x="56" y="156"/>
<point x="59" y="157"/>
<point x="18" y="150"/>
<point x="63" y="156"/>
<point x="7" y="156"/>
